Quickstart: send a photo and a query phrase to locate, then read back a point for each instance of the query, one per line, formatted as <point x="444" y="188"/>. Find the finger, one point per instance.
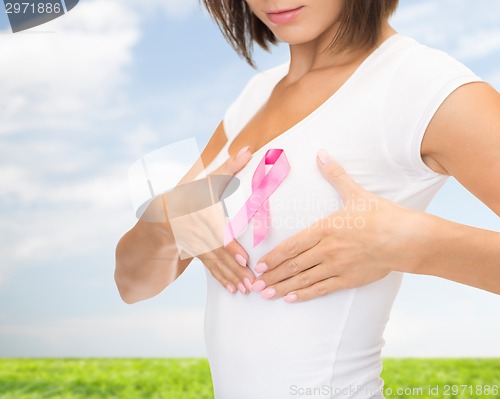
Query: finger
<point x="302" y="280"/>
<point x="321" y="288"/>
<point x="216" y="273"/>
<point x="292" y="267"/>
<point x="337" y="176"/>
<point x="290" y="248"/>
<point x="242" y="277"/>
<point x="234" y="163"/>
<point x="237" y="251"/>
<point x="244" y="274"/>
<point x="227" y="267"/>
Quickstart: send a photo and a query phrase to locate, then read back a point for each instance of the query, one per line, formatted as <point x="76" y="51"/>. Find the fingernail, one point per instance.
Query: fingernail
<point x="291" y="298"/>
<point x="261" y="267"/>
<point x="243" y="150"/>
<point x="247" y="283"/>
<point x="323" y="156"/>
<point x="242" y="288"/>
<point x="258" y="285"/>
<point x="240" y="259"/>
<point x="230" y="288"/>
<point x="268" y="293"/>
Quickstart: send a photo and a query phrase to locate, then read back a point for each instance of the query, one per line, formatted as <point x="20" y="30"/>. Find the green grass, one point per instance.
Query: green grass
<point x="447" y="378"/>
<point x="190" y="378"/>
<point x="105" y="378"/>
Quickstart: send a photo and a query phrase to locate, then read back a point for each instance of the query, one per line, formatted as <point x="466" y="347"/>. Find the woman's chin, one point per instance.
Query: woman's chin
<point x="293" y="38"/>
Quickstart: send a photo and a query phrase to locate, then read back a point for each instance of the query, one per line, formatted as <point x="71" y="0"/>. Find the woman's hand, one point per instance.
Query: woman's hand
<point x="360" y="244"/>
<point x="227" y="264"/>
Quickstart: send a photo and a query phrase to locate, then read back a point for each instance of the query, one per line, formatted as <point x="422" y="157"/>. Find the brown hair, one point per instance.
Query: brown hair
<point x="359" y="25"/>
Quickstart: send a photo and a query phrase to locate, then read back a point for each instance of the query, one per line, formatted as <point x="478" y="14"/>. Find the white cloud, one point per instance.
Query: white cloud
<point x="138" y="333"/>
<point x="56" y="79"/>
<point x="438" y="318"/>
<point x="479" y="44"/>
<point x="61" y="79"/>
<point x="34" y="239"/>
<point x="109" y="190"/>
<point x="467" y="30"/>
<point x="72" y="221"/>
<point x="438" y="335"/>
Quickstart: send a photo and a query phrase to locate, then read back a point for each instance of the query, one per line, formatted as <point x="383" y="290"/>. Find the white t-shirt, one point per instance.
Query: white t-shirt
<point x="373" y="126"/>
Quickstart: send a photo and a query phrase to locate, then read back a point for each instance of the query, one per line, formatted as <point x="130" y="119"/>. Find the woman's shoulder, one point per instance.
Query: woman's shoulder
<point x="419" y="82"/>
<point x="416" y="61"/>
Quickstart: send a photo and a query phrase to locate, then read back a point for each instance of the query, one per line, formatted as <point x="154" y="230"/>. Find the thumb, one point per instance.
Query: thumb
<point x="337" y="176"/>
<point x="235" y="163"/>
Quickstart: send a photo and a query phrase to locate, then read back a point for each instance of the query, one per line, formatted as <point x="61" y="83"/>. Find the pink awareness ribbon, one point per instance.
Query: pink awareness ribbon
<point x="257" y="206"/>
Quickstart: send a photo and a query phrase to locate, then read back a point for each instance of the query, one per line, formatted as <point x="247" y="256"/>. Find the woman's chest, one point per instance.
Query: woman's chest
<point x="287" y="105"/>
<point x="305" y="195"/>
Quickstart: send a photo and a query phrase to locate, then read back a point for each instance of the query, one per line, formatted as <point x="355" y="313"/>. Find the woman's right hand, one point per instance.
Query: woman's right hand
<point x="200" y="233"/>
<point x="229" y="264"/>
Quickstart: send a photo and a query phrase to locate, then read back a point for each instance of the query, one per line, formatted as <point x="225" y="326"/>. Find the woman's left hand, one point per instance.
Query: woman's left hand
<point x="364" y="241"/>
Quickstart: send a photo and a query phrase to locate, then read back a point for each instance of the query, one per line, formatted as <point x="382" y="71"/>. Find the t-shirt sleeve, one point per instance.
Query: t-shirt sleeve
<point x="420" y="84"/>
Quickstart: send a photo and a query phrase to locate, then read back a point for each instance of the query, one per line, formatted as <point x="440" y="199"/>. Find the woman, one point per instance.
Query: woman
<point x="372" y="123"/>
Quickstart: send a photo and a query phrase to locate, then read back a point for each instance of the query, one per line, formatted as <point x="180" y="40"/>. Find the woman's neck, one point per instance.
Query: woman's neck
<point x="306" y="57"/>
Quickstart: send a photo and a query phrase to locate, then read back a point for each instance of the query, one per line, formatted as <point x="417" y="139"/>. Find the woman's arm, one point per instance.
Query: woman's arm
<point x="147" y="257"/>
<point x="463" y="140"/>
<point x="460" y="253"/>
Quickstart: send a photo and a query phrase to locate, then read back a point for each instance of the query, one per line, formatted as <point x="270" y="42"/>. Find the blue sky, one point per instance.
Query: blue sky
<point x="85" y="95"/>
